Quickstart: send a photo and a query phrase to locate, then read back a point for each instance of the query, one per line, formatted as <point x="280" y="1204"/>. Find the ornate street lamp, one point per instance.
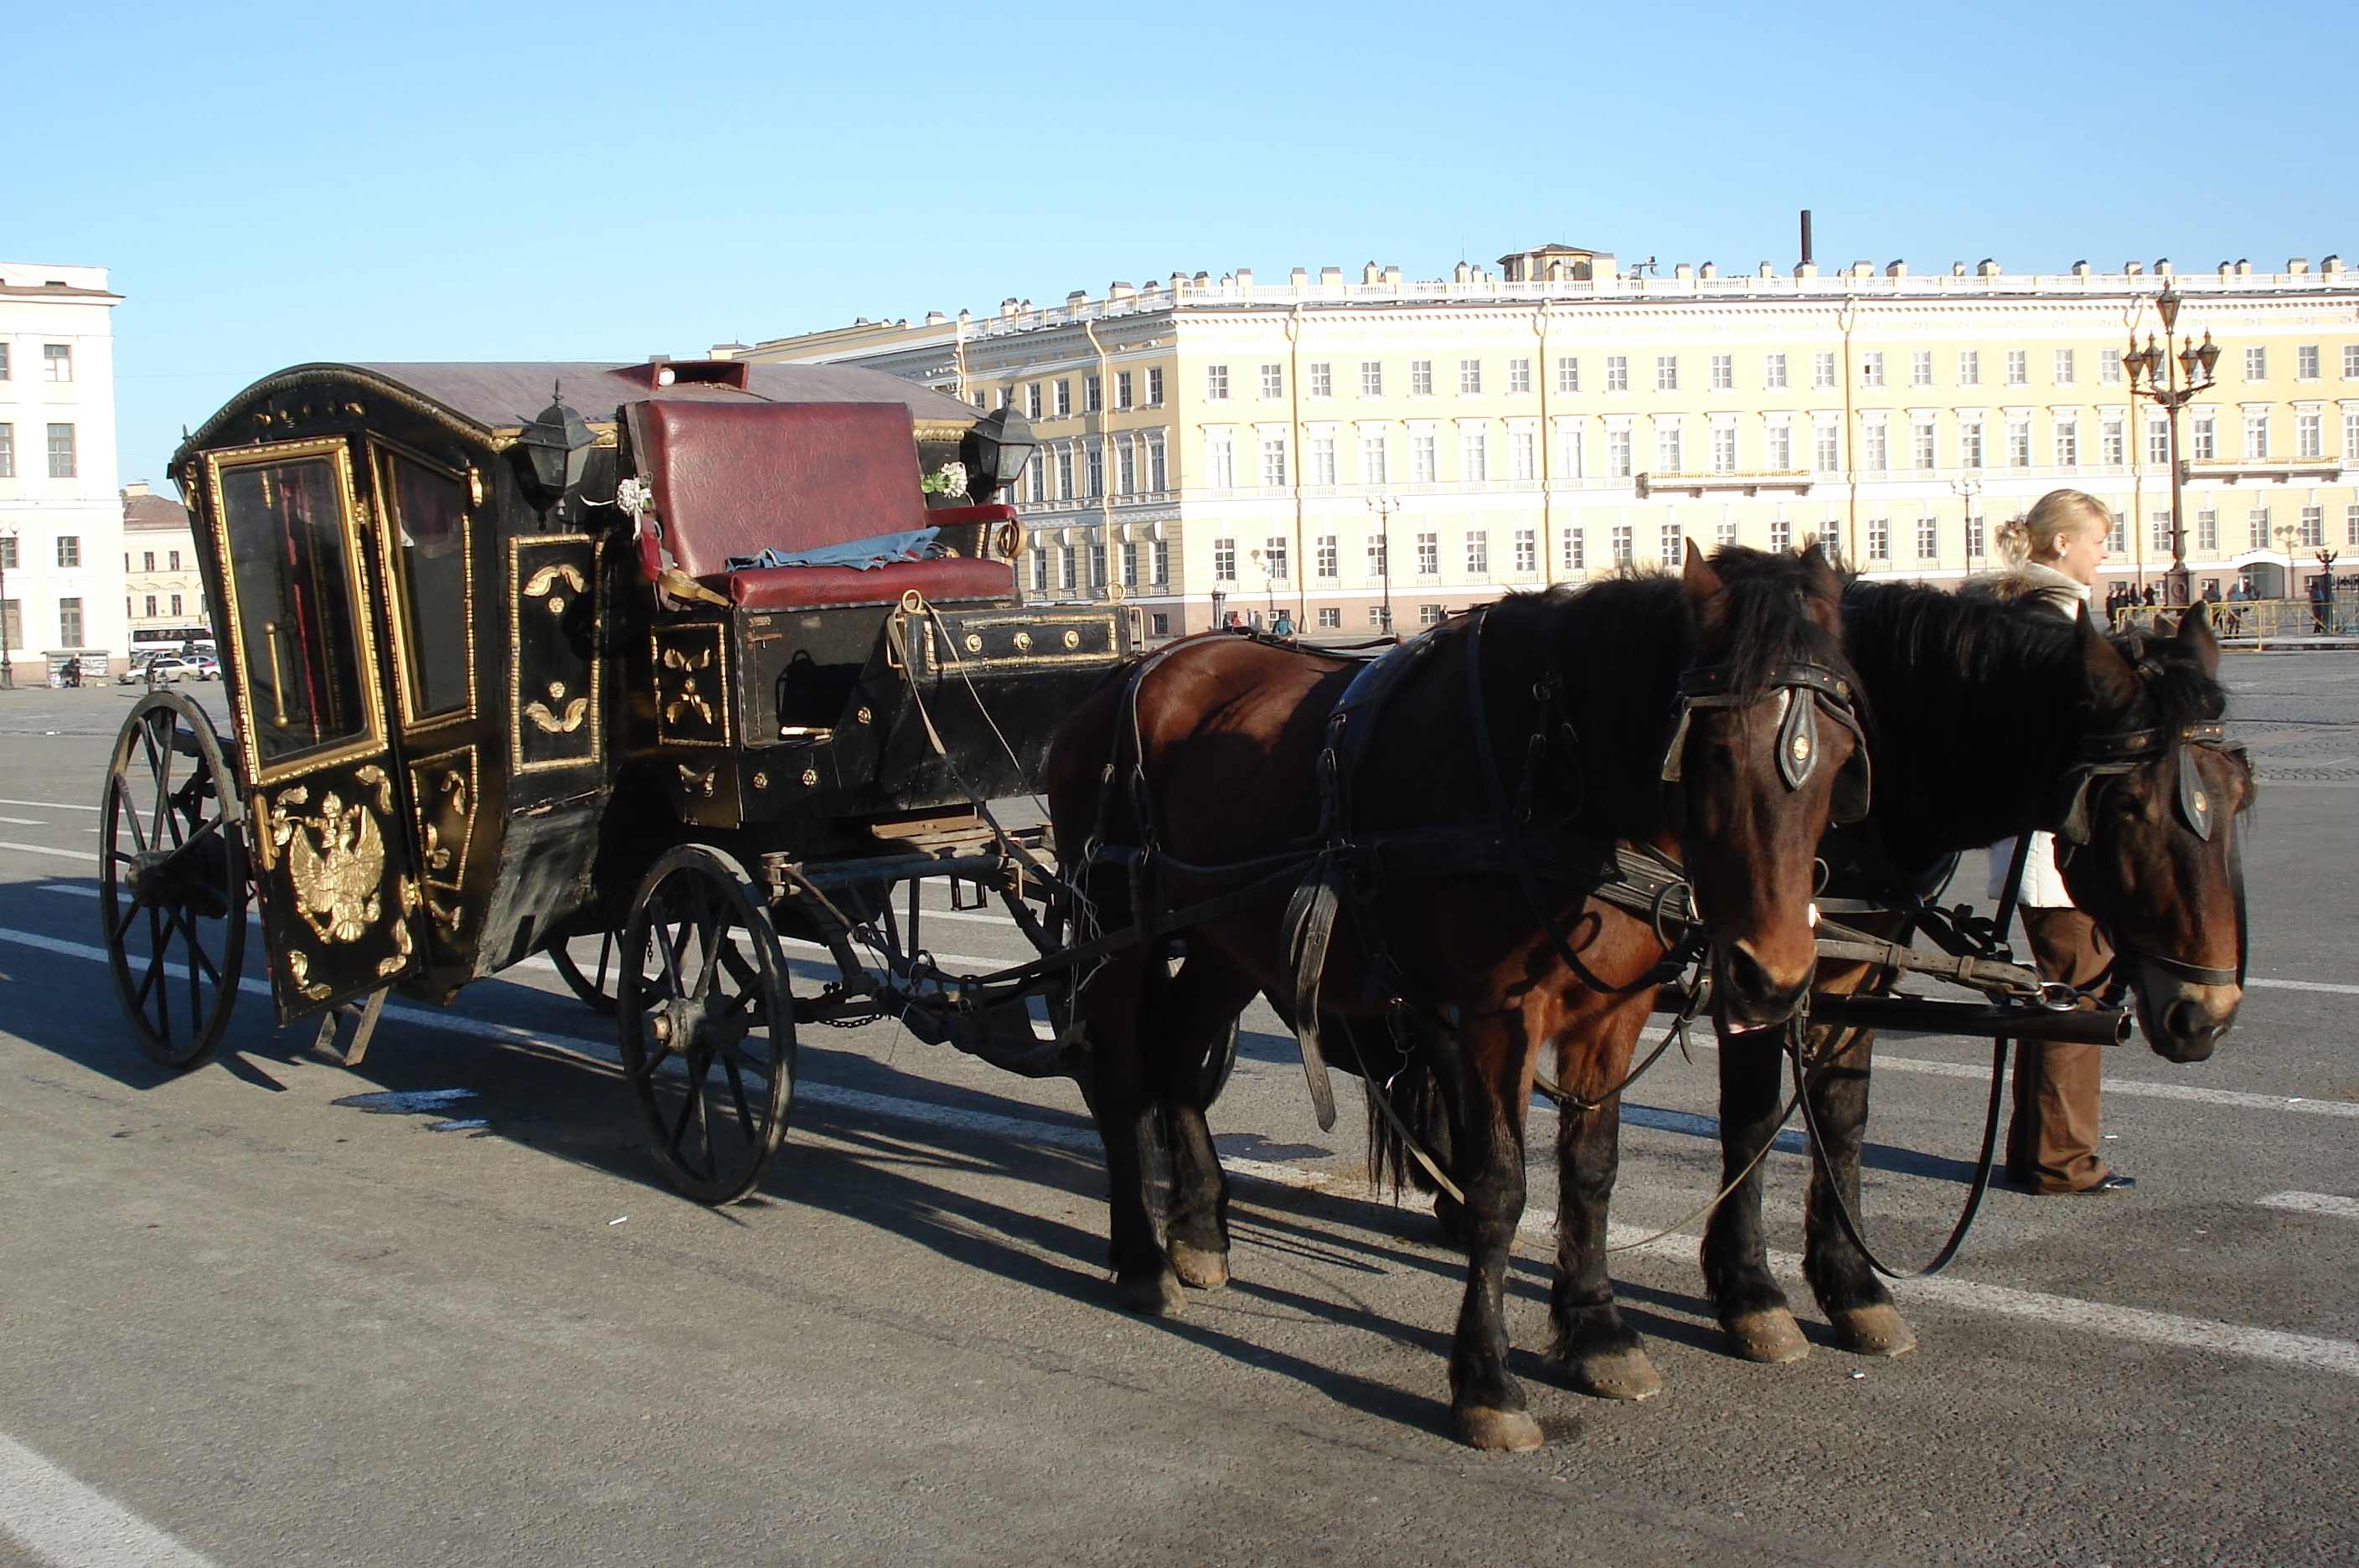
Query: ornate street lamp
<point x="7" y="638"/>
<point x="1966" y="489"/>
<point x="1384" y="504"/>
<point x="2171" y="381"/>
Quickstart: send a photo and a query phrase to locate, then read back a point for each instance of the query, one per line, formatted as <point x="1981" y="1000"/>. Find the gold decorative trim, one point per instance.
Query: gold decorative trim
<point x="335" y="863"/>
<point x="563" y="711"/>
<point x="443" y="788"/>
<point x="382" y="452"/>
<point x="677" y="670"/>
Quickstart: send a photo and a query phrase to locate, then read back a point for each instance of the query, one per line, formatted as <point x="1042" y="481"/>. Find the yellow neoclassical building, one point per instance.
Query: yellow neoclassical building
<point x="1343" y="450"/>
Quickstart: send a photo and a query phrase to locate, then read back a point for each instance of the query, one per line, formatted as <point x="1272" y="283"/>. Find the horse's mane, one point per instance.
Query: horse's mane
<point x="2179" y="689"/>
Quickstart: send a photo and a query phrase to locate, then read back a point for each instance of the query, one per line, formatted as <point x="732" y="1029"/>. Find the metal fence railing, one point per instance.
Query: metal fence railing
<point x="2264" y="619"/>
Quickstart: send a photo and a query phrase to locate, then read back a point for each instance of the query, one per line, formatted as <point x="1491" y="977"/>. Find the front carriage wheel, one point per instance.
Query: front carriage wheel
<point x="587" y="964"/>
<point x="707" y="1024"/>
<point x="172" y="885"/>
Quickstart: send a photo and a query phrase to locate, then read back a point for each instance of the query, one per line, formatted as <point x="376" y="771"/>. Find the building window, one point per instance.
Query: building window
<point x="1827" y="456"/>
<point x="1724" y="371"/>
<point x="1568" y="373"/>
<point x="1322" y="379"/>
<point x="2207" y="530"/>
<point x="1576" y="548"/>
<point x="1666" y="372"/>
<point x="1522" y="455"/>
<point x="2109" y="367"/>
<point x="1159" y="559"/>
<point x="1323" y="460"/>
<point x="2308" y="435"/>
<point x="2207" y="440"/>
<point x="1130" y="563"/>
<point x="1871" y="368"/>
<point x="1064" y="473"/>
<point x="1773" y="370"/>
<point x="1478" y="553"/>
<point x="1879" y="538"/>
<point x="2313" y="526"/>
<point x="1920" y="444"/>
<point x="1094" y="395"/>
<point x="147" y="561"/>
<point x="2161" y="521"/>
<point x="1273" y="381"/>
<point x="150" y="611"/>
<point x="1527" y="551"/>
<point x="2350" y="524"/>
<point x="2257" y="435"/>
<point x="1040" y="571"/>
<point x="1469" y="378"/>
<point x="2068" y="443"/>
<point x="2257" y="364"/>
<point x="3" y="371"/>
<point x="2114" y="438"/>
<point x="2257" y="522"/>
<point x="1274" y="560"/>
<point x="1273" y="461"/>
<point x="2064" y="368"/>
<point x="1970" y="367"/>
<point x="1519" y="376"/>
<point x="2350" y="439"/>
<point x="1097" y="564"/>
<point x="1068" y="572"/>
<point x="1064" y="399"/>
<point x="1928" y="538"/>
<point x="1221" y="463"/>
<point x="1569" y="455"/>
<point x="1126" y="468"/>
<point x="1724" y="448"/>
<point x="1225" y="560"/>
<point x="1474" y="457"/>
<point x="2157" y="442"/>
<point x="1157" y="467"/>
<point x="1974" y="549"/>
<point x="1667" y="456"/>
<point x="1673" y="545"/>
<point x="8" y="552"/>
<point x="1421" y="379"/>
<point x="1778" y="443"/>
<point x="1036" y="479"/>
<point x="1094" y="466"/>
<point x="1725" y="532"/>
<point x="1920" y="367"/>
<point x="1781" y="534"/>
<point x="1424" y="460"/>
<point x="2350" y="363"/>
<point x="1216" y="383"/>
<point x="176" y="604"/>
<point x="1623" y="547"/>
<point x="1617" y="373"/>
<point x="70" y="622"/>
<point x="1877" y="456"/>
<point x="1970" y="445"/>
<point x="57" y="365"/>
<point x="2018" y="443"/>
<point x="1372" y="378"/>
<point x="62" y="452"/>
<point x="1428" y="555"/>
<point x="1155" y="386"/>
<point x="1380" y="555"/>
<point x="1823" y="368"/>
<point x="1122" y="388"/>
<point x="8" y="451"/>
<point x="1371" y="460"/>
<point x="1327" y="559"/>
<point x="68" y="551"/>
<point x="1159" y="624"/>
<point x="2018" y="368"/>
<point x="1618" y="460"/>
<point x="1329" y="619"/>
<point x="1429" y="614"/>
<point x="1032" y="400"/>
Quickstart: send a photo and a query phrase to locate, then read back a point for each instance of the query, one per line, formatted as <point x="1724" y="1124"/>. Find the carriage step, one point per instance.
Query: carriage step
<point x="365" y="1013"/>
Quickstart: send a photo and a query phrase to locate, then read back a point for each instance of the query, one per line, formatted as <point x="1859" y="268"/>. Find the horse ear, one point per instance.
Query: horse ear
<point x="2112" y="682"/>
<point x="2195" y="636"/>
<point x="1822" y="572"/>
<point x="1698" y="576"/>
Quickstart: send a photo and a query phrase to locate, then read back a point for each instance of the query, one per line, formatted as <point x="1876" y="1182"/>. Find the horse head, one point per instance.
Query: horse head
<point x="2148" y="828"/>
<point x="1767" y="752"/>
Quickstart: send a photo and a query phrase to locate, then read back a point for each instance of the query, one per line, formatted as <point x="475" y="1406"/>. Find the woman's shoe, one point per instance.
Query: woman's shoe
<point x="2112" y="1181"/>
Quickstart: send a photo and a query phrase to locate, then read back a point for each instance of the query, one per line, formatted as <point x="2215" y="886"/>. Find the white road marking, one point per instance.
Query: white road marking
<point x="84" y="855"/>
<point x="2304" y="985"/>
<point x="2312" y="1203"/>
<point x="52" y="805"/>
<point x="25" y="822"/>
<point x="69" y="1525"/>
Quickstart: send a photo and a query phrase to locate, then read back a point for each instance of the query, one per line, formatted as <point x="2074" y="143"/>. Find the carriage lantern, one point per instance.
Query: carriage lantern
<point x="556" y="447"/>
<point x="997" y="449"/>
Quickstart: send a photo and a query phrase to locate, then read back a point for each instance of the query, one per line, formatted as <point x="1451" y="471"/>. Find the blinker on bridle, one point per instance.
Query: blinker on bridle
<point x="1802" y="691"/>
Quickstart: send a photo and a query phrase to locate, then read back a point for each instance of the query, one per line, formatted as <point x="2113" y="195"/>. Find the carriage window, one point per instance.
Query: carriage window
<point x="430" y="540"/>
<point x="297" y="631"/>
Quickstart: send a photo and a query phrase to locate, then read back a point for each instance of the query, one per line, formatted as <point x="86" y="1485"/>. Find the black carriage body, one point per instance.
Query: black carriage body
<point x="458" y="735"/>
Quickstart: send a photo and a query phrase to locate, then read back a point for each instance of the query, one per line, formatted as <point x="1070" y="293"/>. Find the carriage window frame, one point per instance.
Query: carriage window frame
<point x="382" y="456"/>
<point x="371" y="741"/>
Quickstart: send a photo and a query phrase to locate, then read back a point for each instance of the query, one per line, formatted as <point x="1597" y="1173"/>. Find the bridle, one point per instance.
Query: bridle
<point x="2103" y="760"/>
<point x="1802" y="690"/>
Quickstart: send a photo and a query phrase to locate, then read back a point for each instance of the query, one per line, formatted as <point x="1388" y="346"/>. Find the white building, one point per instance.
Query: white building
<point x="61" y="518"/>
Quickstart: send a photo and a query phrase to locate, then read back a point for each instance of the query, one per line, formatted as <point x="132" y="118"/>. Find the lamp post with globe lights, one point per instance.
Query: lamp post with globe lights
<point x="2171" y="381"/>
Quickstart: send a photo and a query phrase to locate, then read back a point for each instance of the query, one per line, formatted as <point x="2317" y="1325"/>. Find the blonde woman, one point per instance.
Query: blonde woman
<point x="2053" y="554"/>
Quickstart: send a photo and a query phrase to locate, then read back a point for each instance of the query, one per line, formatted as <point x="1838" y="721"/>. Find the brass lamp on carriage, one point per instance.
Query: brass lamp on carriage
<point x="994" y="452"/>
<point x="555" y="448"/>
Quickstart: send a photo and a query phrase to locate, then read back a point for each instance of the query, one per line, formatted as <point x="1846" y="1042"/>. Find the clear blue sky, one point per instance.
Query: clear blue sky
<point x="577" y="179"/>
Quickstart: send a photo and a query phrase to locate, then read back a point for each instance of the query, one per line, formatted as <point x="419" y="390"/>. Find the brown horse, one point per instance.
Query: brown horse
<point x="1211" y="759"/>
<point x="1990" y="720"/>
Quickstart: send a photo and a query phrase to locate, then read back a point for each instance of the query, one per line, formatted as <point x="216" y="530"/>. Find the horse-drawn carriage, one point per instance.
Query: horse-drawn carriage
<point x="700" y="654"/>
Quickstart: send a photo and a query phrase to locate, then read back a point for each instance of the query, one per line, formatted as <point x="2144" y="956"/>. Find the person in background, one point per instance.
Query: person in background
<point x="2053" y="554"/>
<point x="1283" y="625"/>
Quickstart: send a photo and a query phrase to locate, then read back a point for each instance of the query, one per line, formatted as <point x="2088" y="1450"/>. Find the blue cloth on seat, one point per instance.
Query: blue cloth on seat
<point x="861" y="555"/>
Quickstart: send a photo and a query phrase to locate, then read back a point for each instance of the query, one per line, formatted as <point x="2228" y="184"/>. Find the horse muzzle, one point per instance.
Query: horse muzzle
<point x="2181" y="1020"/>
<point x="1751" y="994"/>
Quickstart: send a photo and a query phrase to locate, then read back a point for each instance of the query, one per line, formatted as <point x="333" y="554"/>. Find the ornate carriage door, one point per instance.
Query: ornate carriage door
<point x="332" y="851"/>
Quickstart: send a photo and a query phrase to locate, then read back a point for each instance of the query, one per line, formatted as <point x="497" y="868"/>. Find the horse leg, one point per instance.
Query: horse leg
<point x="1600" y="1354"/>
<point x="1120" y="1099"/>
<point x="1857" y="1305"/>
<point x="1487" y="1403"/>
<point x="1193" y="1014"/>
<point x="1753" y="1309"/>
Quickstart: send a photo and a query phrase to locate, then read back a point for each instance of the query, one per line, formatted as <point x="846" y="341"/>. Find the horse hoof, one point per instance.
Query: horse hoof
<point x="1878" y="1329"/>
<point x="1771" y="1337"/>
<point x="1204" y="1271"/>
<point x="1155" y="1295"/>
<point x="1622" y="1375"/>
<point x="1501" y="1431"/>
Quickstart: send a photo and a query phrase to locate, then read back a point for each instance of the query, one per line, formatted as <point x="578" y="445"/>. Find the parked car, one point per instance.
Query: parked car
<point x="167" y="667"/>
<point x="208" y="667"/>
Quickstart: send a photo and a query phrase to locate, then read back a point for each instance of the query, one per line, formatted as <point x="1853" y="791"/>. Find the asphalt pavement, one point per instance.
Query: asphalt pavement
<point x="248" y="1324"/>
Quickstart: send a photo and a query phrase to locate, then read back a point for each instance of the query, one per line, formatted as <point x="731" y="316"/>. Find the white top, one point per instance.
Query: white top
<point x="2043" y="884"/>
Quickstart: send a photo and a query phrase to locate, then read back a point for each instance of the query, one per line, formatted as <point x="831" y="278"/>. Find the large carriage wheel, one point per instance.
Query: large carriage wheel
<point x="590" y="965"/>
<point x="173" y="879"/>
<point x="707" y="1024"/>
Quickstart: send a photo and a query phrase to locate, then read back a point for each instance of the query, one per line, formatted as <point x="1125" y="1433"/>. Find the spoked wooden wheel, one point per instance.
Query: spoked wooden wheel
<point x="173" y="879"/>
<point x="707" y="1024"/>
<point x="588" y="964"/>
